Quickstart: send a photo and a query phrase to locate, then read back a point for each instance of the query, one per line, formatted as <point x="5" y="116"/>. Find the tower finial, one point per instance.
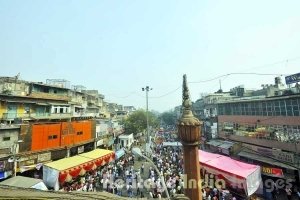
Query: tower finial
<point x="186" y="102"/>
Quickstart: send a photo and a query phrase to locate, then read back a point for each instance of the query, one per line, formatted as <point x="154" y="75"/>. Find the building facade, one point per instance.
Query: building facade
<point x="269" y="131"/>
<point x="42" y="122"/>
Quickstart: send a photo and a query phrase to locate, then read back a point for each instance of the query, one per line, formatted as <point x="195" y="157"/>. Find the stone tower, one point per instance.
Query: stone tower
<point x="189" y="128"/>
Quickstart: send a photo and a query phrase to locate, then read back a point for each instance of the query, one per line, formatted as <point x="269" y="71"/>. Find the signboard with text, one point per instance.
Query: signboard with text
<point x="271" y="171"/>
<point x="295" y="78"/>
<point x="273" y="153"/>
<point x="44" y="157"/>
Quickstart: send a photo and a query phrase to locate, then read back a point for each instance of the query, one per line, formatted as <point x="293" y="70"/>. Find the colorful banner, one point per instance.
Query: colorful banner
<point x="270" y="171"/>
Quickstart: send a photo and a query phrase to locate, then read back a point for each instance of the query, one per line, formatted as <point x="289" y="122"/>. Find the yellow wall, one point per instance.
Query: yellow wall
<point x="2" y="108"/>
<point x="20" y="108"/>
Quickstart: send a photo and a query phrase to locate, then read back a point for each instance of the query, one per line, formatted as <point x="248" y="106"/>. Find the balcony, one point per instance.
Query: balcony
<point x="60" y="115"/>
<point x="91" y="101"/>
<point x="43" y="95"/>
<point x="12" y="116"/>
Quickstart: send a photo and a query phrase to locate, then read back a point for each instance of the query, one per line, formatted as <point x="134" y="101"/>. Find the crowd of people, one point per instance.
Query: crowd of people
<point x="169" y="162"/>
<point x="86" y="182"/>
<point x="122" y="177"/>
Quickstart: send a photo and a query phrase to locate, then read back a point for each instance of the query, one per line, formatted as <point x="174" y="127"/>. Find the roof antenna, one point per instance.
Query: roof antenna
<point x="220" y="90"/>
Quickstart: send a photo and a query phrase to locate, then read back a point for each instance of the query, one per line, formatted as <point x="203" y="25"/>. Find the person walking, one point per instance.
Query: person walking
<point x="142" y="168"/>
<point x="288" y="193"/>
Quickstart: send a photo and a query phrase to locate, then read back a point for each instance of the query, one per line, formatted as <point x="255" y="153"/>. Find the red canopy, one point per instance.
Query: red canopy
<point x="227" y="164"/>
<point x="239" y="173"/>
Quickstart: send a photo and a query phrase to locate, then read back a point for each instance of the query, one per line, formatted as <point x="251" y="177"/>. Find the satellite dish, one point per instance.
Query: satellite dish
<point x="11" y="159"/>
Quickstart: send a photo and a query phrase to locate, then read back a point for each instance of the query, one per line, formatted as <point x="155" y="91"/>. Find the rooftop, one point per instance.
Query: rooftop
<point x="9" y="192"/>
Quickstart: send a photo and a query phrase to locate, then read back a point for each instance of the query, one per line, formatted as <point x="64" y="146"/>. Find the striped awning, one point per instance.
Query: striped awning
<point x="72" y="167"/>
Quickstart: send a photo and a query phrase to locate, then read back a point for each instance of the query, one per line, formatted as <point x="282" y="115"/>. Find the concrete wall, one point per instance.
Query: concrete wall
<point x="11" y="133"/>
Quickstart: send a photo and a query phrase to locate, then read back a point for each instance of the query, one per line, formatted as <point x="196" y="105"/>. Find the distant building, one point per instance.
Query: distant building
<point x="268" y="129"/>
<point x="129" y="109"/>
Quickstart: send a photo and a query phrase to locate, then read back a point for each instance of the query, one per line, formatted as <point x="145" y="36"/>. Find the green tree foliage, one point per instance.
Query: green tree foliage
<point x="168" y="118"/>
<point x="136" y="122"/>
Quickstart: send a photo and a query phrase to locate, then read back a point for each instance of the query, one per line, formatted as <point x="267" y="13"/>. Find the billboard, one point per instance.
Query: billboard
<point x="292" y="79"/>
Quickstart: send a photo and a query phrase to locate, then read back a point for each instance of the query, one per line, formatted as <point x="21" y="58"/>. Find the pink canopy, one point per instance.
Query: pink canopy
<point x="237" y="172"/>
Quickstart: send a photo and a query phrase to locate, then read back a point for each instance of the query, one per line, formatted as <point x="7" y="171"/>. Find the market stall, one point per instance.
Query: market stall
<point x="236" y="174"/>
<point x="67" y="169"/>
<point x="120" y="153"/>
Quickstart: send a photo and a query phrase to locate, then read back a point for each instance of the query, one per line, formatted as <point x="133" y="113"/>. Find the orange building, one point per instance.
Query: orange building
<point x="60" y="134"/>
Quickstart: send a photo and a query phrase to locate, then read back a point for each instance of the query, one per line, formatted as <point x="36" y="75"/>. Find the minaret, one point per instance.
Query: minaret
<point x="189" y="128"/>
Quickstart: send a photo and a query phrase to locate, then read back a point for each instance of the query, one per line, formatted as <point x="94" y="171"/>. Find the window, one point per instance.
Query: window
<point x="61" y="110"/>
<point x="243" y="109"/>
<point x="239" y="109"/>
<point x="248" y="109"/>
<point x="295" y="107"/>
<point x="6" y="138"/>
<point x="269" y="108"/>
<point x="259" y="111"/>
<point x="52" y="137"/>
<point x="79" y="133"/>
<point x="264" y="109"/>
<point x="277" y="108"/>
<point x="252" y="108"/>
<point x="282" y="108"/>
<point x="289" y="108"/>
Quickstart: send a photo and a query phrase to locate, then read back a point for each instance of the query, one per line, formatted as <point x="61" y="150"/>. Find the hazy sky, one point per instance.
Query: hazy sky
<point x="118" y="47"/>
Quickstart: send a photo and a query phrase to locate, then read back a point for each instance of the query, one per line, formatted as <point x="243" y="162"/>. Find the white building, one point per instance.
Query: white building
<point x="126" y="140"/>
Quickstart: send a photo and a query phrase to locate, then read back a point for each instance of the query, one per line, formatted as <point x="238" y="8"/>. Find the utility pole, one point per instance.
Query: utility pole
<point x="14" y="158"/>
<point x="147" y="89"/>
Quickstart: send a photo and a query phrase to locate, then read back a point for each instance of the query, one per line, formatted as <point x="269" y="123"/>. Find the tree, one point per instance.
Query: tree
<point x="136" y="122"/>
<point x="168" y="118"/>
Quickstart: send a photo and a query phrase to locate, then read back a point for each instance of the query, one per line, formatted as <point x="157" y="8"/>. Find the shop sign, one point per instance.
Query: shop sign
<point x="81" y="149"/>
<point x="295" y="78"/>
<point x="31" y="157"/>
<point x="44" y="157"/>
<point x="277" y="154"/>
<point x="277" y="172"/>
<point x="28" y="162"/>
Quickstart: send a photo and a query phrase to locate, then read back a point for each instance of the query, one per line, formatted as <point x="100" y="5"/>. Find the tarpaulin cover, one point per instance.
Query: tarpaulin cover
<point x="98" y="153"/>
<point x="67" y="163"/>
<point x="66" y="169"/>
<point x="120" y="153"/>
<point x="239" y="173"/>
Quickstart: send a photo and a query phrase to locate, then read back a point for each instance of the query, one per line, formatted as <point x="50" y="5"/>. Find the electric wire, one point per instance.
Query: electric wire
<point x="237" y="73"/>
<point x="224" y="76"/>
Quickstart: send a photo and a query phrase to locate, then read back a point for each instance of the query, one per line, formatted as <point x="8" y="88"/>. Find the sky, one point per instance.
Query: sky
<point x="118" y="47"/>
